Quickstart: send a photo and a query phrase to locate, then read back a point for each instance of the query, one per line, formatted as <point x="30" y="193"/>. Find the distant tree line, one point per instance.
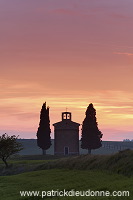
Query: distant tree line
<point x="127" y="140"/>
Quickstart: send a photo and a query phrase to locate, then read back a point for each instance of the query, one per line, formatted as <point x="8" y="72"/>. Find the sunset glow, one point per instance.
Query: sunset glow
<point x="69" y="53"/>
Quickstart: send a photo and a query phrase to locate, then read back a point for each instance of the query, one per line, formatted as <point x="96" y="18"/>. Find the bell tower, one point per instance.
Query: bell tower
<point x="66" y="116"/>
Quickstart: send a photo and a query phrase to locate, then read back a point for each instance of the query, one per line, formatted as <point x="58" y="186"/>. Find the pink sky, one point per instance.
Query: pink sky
<point x="68" y="53"/>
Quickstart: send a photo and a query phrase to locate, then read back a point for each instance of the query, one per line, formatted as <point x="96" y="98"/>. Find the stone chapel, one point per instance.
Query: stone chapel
<point x="66" y="136"/>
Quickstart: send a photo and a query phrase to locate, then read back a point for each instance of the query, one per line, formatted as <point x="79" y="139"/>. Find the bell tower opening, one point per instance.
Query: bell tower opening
<point x="66" y="116"/>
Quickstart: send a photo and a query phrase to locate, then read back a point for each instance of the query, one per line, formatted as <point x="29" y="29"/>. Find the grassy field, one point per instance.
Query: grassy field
<point x="81" y="173"/>
<point x="45" y="180"/>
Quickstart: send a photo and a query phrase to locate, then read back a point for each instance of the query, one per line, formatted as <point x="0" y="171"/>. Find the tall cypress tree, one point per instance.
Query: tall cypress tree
<point x="43" y="133"/>
<point x="91" y="136"/>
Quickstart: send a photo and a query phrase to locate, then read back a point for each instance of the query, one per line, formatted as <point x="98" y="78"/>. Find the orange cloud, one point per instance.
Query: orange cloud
<point x="66" y="12"/>
<point x="122" y="53"/>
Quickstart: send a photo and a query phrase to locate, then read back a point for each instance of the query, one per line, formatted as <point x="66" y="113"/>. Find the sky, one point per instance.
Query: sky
<point x="69" y="53"/>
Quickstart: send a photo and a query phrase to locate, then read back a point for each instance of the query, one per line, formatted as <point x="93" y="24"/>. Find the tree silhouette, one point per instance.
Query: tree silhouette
<point x="43" y="133"/>
<point x="91" y="136"/>
<point x="9" y="146"/>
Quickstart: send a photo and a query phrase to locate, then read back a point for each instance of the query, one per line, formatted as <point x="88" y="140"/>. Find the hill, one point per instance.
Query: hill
<point x="121" y="163"/>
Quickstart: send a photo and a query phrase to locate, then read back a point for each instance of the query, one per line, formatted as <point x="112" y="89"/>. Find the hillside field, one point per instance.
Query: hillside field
<point x="80" y="173"/>
<point x="60" y="179"/>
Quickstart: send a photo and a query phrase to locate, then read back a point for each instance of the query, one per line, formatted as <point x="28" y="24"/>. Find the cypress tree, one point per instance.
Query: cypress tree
<point x="91" y="136"/>
<point x="43" y="133"/>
